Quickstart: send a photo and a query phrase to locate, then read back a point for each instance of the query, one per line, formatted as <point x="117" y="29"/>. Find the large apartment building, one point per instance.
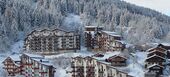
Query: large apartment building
<point x="51" y="41"/>
<point x="28" y="65"/>
<point x="110" y="41"/>
<point x="92" y="67"/>
<point x="98" y="39"/>
<point x="91" y="33"/>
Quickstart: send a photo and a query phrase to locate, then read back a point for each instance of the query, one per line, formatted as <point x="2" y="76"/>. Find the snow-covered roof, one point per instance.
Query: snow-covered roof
<point x="43" y="61"/>
<point x="155" y="56"/>
<point x="155" y="51"/>
<point x="155" y="48"/>
<point x="118" y="56"/>
<point x="107" y="55"/>
<point x="93" y="26"/>
<point x="155" y="65"/>
<point x="39" y="58"/>
<point x="165" y="44"/>
<point x="111" y="33"/>
<point x="15" y="57"/>
<point x="121" y="41"/>
<point x="33" y="55"/>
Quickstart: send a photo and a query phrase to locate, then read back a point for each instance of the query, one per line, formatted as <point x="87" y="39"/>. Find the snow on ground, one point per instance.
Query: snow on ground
<point x="83" y="52"/>
<point x="136" y="64"/>
<point x="17" y="47"/>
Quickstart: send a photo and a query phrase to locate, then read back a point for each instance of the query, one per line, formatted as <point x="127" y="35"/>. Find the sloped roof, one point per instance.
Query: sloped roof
<point x="155" y="56"/>
<point x="151" y="49"/>
<point x="156" y="51"/>
<point x="33" y="55"/>
<point x="117" y="56"/>
<point x="155" y="65"/>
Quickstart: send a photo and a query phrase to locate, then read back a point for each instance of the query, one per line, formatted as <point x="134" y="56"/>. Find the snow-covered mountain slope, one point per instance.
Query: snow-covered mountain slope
<point x="137" y="24"/>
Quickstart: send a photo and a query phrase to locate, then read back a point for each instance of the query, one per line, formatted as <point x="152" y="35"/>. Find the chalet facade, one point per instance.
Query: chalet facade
<point x="91" y="67"/>
<point x="12" y="65"/>
<point x="117" y="60"/>
<point x="156" y="59"/>
<point x="36" y="66"/>
<point x="51" y="41"/>
<point x="97" y="39"/>
<point x="29" y="65"/>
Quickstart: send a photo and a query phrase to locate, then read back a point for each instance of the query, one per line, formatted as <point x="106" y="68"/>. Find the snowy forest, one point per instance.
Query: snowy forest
<point x="138" y="25"/>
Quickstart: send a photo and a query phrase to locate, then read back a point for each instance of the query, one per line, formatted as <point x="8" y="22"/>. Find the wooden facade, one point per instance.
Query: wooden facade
<point x="117" y="60"/>
<point x="29" y="65"/>
<point x="167" y="47"/>
<point x="91" y="67"/>
<point x="12" y="65"/>
<point x="51" y="41"/>
<point x="156" y="68"/>
<point x="36" y="66"/>
<point x="156" y="59"/>
<point x="97" y="39"/>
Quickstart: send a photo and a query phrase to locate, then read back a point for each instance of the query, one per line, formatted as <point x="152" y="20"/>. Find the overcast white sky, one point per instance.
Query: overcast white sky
<point x="158" y="5"/>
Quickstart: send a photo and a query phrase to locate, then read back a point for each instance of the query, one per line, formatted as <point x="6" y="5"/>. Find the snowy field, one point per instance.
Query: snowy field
<point x="62" y="61"/>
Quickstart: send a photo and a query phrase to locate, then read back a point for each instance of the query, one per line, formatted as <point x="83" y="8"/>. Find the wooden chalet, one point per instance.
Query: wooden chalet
<point x="157" y="49"/>
<point x="167" y="47"/>
<point x="51" y="41"/>
<point x="117" y="60"/>
<point x="36" y="66"/>
<point x="155" y="59"/>
<point x="156" y="68"/>
<point x="12" y="65"/>
<point x="156" y="52"/>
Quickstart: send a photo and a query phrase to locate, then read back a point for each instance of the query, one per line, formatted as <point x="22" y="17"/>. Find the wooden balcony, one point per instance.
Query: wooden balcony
<point x="118" y="64"/>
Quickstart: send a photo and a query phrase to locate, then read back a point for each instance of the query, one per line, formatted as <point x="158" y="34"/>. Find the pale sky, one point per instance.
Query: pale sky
<point x="158" y="5"/>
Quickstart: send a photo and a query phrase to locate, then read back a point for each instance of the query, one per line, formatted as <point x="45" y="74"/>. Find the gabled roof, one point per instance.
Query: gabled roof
<point x="15" y="59"/>
<point x="155" y="65"/>
<point x="156" y="51"/>
<point x="151" y="49"/>
<point x="33" y="55"/>
<point x="115" y="56"/>
<point x="165" y="45"/>
<point x="155" y="56"/>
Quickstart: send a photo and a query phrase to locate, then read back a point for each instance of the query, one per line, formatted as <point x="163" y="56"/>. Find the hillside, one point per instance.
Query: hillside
<point x="138" y="25"/>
